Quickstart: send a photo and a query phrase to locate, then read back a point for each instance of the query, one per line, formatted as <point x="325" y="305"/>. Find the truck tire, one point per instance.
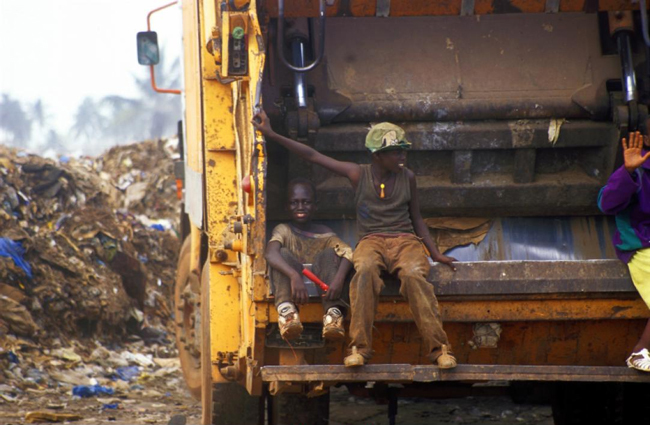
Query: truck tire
<point x="232" y="405"/>
<point x="298" y="409"/>
<point x="187" y="284"/>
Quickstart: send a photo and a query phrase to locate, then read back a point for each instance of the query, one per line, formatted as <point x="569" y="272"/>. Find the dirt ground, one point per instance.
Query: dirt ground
<point x="156" y="401"/>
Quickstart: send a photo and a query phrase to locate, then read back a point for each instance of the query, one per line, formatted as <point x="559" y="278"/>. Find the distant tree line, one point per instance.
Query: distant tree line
<point x="98" y="123"/>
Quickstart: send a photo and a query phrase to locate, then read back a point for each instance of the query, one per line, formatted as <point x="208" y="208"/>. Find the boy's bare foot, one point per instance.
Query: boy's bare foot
<point x="333" y="325"/>
<point x="354" y="359"/>
<point x="289" y="321"/>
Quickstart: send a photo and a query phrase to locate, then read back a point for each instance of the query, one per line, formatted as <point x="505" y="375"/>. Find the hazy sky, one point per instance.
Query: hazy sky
<point x="62" y="51"/>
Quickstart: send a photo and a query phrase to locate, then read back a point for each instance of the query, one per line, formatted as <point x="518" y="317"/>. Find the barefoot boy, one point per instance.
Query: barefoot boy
<point x="301" y="242"/>
<point x="392" y="234"/>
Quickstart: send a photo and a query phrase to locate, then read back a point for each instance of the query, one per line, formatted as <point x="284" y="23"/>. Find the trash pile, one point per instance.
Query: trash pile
<point x="88" y="247"/>
<point x="144" y="172"/>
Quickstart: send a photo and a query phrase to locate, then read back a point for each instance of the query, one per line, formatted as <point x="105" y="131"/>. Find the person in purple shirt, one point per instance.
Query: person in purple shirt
<point x="627" y="196"/>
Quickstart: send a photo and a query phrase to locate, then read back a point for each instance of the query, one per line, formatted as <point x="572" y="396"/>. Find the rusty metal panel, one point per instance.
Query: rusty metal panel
<point x="476" y="64"/>
<point x="532" y="277"/>
<point x="570" y="192"/>
<point x="451" y="68"/>
<point x="408" y="373"/>
<point x="520" y="308"/>
<point x="367" y="8"/>
<point x="475" y="135"/>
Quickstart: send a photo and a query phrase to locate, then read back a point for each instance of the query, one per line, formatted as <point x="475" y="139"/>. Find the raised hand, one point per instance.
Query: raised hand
<point x="632" y="153"/>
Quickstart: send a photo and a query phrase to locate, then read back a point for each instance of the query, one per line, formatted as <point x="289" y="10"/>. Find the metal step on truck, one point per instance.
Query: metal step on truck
<point x="515" y="109"/>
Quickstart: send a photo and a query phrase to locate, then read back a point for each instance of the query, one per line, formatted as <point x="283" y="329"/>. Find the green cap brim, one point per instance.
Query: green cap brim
<point x="400" y="146"/>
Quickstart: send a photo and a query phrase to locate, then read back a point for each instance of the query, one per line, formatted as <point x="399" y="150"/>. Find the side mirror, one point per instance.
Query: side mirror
<point x="148" y="52"/>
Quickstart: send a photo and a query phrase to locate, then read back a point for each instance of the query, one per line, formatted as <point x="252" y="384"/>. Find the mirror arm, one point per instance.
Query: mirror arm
<point x="159" y="90"/>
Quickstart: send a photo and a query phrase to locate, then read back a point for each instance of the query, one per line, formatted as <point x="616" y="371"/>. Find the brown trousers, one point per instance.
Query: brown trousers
<point x="325" y="266"/>
<point x="405" y="256"/>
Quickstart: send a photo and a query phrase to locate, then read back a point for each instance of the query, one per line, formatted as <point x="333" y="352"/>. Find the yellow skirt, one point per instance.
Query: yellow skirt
<point x="639" y="267"/>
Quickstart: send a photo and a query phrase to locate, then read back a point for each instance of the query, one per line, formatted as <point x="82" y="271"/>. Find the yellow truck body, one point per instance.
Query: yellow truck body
<point x="514" y="108"/>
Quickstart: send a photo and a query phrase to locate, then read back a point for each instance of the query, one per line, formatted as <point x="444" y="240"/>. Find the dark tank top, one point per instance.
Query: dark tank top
<point x="387" y="215"/>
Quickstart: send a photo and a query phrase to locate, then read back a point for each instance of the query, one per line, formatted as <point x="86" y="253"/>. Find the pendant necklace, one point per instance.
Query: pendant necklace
<point x="382" y="186"/>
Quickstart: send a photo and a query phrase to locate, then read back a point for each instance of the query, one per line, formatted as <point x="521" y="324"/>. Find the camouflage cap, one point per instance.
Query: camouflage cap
<point x="386" y="136"/>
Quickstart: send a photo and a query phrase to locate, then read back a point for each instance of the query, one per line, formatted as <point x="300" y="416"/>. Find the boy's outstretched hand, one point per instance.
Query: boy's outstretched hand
<point x="448" y="261"/>
<point x="262" y="123"/>
<point x="632" y="153"/>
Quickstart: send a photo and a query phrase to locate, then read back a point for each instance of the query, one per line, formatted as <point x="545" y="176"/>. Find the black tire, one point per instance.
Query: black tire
<point x="190" y="364"/>
<point x="232" y="405"/>
<point x="298" y="409"/>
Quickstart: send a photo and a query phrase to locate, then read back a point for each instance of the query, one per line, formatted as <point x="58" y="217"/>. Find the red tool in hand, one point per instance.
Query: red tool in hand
<point x="315" y="279"/>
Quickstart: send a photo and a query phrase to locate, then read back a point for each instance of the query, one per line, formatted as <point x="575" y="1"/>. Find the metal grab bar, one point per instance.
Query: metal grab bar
<point x="280" y="46"/>
<point x="644" y="22"/>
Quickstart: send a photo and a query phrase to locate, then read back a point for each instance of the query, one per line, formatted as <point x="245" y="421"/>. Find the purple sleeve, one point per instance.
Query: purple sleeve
<point x="617" y="193"/>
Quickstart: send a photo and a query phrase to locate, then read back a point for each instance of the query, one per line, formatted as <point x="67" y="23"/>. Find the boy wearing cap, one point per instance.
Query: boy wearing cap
<point x="392" y="237"/>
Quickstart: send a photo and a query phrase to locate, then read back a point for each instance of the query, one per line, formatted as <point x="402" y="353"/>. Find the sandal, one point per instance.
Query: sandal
<point x="354" y="359"/>
<point x="642" y="364"/>
<point x="446" y="360"/>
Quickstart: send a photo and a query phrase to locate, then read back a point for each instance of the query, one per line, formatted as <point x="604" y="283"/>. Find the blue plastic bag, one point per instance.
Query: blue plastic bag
<point x="91" y="390"/>
<point x="127" y="373"/>
<point x="15" y="251"/>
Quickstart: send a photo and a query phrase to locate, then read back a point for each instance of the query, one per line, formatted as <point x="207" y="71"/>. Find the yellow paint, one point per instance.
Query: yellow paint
<point x="195" y="248"/>
<point x="221" y="143"/>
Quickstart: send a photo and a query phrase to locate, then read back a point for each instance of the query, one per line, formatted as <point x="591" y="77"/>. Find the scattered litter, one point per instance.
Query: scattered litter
<point x="81" y="275"/>
<point x="110" y="406"/>
<point x="36" y="417"/>
<point x="15" y="251"/>
<point x="128" y="373"/>
<point x="91" y="390"/>
<point x="16" y="317"/>
<point x="554" y="127"/>
<point x="139" y="358"/>
<point x="67" y="354"/>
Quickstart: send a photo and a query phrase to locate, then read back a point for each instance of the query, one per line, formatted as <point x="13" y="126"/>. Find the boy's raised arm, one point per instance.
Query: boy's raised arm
<point x="623" y="184"/>
<point x="346" y="169"/>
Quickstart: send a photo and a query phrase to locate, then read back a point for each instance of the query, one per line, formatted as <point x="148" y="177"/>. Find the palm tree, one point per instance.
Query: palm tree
<point x="89" y="122"/>
<point x="14" y="120"/>
<point x="151" y="115"/>
<point x="39" y="113"/>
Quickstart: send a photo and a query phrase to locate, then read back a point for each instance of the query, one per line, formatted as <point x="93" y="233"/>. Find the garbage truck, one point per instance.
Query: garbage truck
<point x="515" y="110"/>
